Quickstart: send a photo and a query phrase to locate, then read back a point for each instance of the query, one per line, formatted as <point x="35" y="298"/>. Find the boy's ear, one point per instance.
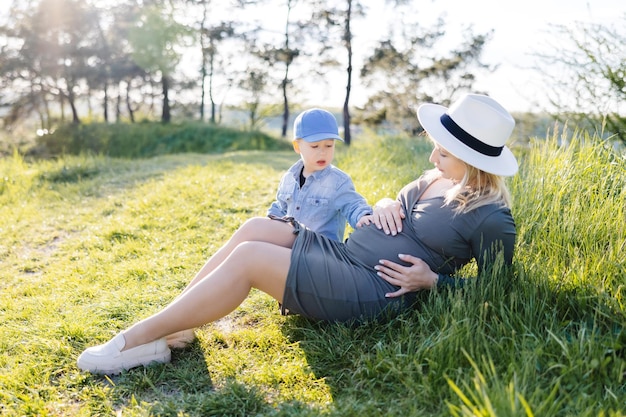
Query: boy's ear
<point x="296" y="146"/>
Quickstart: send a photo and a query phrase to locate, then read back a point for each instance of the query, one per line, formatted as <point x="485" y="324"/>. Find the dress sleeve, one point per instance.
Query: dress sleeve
<point x="494" y="236"/>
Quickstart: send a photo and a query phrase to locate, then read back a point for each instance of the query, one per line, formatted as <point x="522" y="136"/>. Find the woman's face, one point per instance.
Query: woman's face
<point x="449" y="165"/>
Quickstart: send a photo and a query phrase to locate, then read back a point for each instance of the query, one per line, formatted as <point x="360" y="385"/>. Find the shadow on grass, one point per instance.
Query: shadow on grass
<point x="181" y="387"/>
<point x="184" y="387"/>
<point x="105" y="172"/>
<point x="161" y="386"/>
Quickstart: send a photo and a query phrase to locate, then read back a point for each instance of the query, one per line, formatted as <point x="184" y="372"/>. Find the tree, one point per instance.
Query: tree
<point x="342" y="17"/>
<point x="114" y="69"/>
<point x="407" y="69"/>
<point x="585" y="68"/>
<point x="254" y="84"/>
<point x="213" y="36"/>
<point x="52" y="55"/>
<point x="285" y="54"/>
<point x="210" y="36"/>
<point x="154" y="40"/>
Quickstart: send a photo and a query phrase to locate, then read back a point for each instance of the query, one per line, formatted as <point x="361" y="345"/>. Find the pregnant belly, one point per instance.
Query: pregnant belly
<point x="369" y="244"/>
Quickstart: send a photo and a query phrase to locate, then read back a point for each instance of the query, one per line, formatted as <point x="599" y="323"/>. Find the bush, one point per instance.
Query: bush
<point x="151" y="139"/>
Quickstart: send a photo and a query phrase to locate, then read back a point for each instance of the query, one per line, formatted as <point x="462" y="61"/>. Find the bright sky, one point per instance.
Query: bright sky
<point x="520" y="28"/>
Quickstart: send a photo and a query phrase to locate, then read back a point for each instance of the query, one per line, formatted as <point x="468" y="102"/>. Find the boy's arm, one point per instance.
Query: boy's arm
<point x="279" y="207"/>
<point x="352" y="205"/>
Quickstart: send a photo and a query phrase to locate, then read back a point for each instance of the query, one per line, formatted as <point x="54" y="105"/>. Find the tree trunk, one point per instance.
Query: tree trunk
<point x="62" y="105"/>
<point x="129" y="107"/>
<point x="203" y="71"/>
<point x="285" y="82"/>
<point x="118" y="107"/>
<point x="285" y="104"/>
<point x="346" y="104"/>
<point x="166" y="116"/>
<point x="211" y="64"/>
<point x="71" y="100"/>
<point x="106" y="102"/>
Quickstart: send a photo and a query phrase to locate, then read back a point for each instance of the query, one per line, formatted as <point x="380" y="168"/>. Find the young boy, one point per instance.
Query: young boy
<point x="313" y="191"/>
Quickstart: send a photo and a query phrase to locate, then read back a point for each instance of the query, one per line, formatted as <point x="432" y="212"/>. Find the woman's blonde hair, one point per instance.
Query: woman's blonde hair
<point x="477" y="188"/>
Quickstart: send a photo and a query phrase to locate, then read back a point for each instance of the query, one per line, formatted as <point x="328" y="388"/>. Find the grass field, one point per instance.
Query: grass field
<point x="88" y="245"/>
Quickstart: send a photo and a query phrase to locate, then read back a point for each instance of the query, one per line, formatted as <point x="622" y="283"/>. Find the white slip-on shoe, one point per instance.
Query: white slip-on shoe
<point x="108" y="358"/>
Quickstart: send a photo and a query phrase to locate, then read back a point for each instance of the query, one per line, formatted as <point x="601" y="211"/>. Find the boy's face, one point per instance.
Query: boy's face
<point x="315" y="155"/>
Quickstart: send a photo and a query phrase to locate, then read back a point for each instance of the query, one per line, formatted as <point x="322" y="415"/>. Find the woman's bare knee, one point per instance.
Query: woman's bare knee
<point x="264" y="229"/>
<point x="263" y="266"/>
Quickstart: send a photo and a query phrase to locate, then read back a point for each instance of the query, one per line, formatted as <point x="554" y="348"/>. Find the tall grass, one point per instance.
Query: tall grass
<point x="90" y="244"/>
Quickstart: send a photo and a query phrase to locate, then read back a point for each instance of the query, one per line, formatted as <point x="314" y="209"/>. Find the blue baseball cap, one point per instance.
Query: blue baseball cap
<point x="314" y="125"/>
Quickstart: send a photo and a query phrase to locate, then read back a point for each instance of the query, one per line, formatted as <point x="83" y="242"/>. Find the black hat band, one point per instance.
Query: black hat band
<point x="477" y="145"/>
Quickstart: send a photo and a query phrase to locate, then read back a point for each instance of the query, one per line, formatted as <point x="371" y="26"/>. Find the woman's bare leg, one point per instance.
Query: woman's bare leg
<point x="260" y="229"/>
<point x="256" y="229"/>
<point x="250" y="265"/>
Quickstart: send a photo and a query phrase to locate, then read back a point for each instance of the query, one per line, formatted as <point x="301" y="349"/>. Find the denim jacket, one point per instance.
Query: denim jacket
<point x="326" y="201"/>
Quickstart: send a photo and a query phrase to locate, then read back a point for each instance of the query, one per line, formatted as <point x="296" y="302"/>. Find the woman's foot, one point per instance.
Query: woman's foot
<point x="109" y="358"/>
<point x="180" y="339"/>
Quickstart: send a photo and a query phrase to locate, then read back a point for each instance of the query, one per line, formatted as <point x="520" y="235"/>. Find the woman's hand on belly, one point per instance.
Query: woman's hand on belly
<point x="417" y="276"/>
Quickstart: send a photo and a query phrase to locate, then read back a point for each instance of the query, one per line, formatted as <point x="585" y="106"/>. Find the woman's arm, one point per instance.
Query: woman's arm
<point x="496" y="235"/>
<point x="495" y="238"/>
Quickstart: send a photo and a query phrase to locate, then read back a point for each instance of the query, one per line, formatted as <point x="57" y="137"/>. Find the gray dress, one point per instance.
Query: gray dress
<point x="329" y="280"/>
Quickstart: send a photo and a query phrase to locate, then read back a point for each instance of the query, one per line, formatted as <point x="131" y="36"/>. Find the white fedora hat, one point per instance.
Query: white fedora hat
<point x="474" y="129"/>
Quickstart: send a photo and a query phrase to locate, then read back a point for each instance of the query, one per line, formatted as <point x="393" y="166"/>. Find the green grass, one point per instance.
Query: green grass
<point x="90" y="244"/>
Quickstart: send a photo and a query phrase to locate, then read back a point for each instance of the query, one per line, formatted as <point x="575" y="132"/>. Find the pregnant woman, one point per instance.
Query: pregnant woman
<point x="452" y="214"/>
